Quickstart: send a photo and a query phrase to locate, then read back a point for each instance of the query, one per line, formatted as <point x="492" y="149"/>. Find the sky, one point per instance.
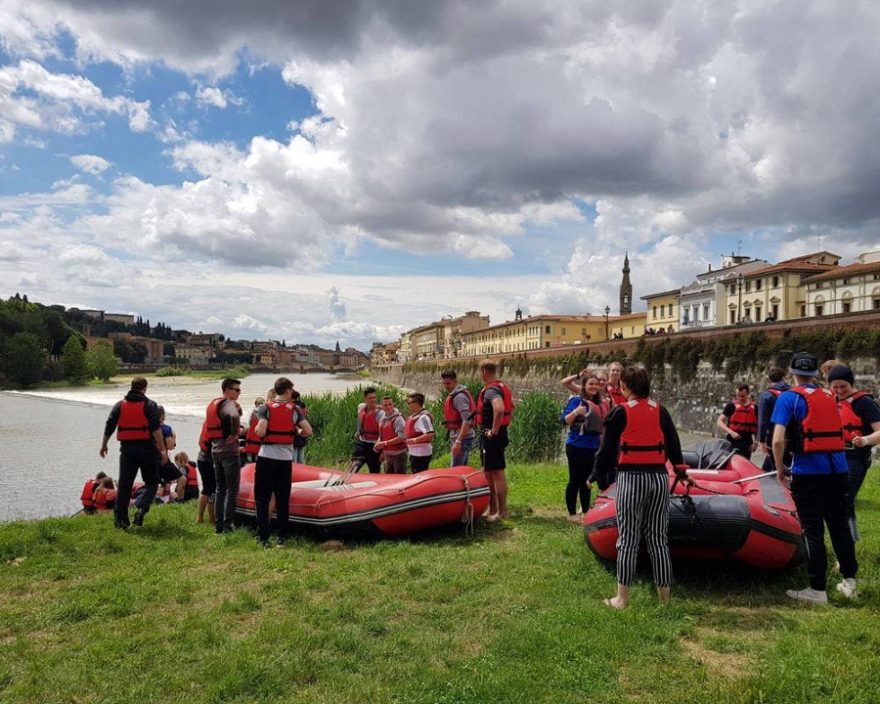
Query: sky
<point x="324" y="170"/>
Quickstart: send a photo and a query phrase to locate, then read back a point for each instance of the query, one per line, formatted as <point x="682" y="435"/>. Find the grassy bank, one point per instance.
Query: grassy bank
<point x="171" y="613"/>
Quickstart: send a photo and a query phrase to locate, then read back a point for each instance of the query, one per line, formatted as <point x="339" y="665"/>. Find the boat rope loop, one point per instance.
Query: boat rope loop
<point x="467" y="516"/>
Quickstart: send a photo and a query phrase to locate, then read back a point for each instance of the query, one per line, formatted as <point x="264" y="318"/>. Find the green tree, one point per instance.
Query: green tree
<point x="25" y="358"/>
<point x="102" y="360"/>
<point x="73" y="357"/>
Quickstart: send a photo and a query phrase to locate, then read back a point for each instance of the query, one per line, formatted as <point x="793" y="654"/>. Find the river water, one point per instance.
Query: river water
<point x="49" y="440"/>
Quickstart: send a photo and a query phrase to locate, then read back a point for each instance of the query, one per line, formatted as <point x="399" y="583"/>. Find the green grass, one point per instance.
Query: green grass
<point x="171" y="613"/>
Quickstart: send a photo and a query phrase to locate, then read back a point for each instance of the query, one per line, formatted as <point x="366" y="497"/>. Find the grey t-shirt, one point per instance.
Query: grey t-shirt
<point x="461" y="404"/>
<point x="230" y="419"/>
<point x="275" y="451"/>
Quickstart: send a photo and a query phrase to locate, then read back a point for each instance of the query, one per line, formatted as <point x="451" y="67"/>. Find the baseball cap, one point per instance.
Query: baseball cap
<point x="804" y="364"/>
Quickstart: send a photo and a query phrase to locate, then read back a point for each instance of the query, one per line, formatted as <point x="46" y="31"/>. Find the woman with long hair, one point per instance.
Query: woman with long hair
<point x="584" y="415"/>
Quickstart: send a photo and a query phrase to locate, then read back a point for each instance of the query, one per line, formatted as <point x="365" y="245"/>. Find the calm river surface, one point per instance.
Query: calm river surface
<point x="50" y="439"/>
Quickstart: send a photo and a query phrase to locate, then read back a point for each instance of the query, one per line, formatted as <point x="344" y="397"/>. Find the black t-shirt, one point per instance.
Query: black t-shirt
<point x="868" y="410"/>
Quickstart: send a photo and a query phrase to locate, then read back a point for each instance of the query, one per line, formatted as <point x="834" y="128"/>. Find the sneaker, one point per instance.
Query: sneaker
<point x="280" y="543"/>
<point x="847" y="587"/>
<point x="808" y="595"/>
<point x="121" y="526"/>
<point x="139" y="517"/>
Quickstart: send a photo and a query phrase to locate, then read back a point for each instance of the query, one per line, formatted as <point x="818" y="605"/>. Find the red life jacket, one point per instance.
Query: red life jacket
<point x="617" y="396"/>
<point x="369" y="424"/>
<point x="252" y="440"/>
<point x="204" y="446"/>
<point x="821" y="428"/>
<point x="192" y="476"/>
<point x="104" y="498"/>
<point x="744" y="418"/>
<point x="387" y="432"/>
<point x="451" y="417"/>
<point x="281" y="429"/>
<point x="506" y="396"/>
<point x="213" y="425"/>
<point x="87" y="497"/>
<point x="642" y="439"/>
<point x="133" y="423"/>
<point x="852" y="421"/>
<point x="410" y="428"/>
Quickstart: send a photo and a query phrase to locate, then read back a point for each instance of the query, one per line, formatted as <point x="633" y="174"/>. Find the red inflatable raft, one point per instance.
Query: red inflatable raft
<point x="752" y="521"/>
<point x="376" y="504"/>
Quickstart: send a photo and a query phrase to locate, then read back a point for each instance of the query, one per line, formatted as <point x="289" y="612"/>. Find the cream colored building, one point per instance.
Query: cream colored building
<point x="846" y="289"/>
<point x="455" y="328"/>
<point x="775" y="292"/>
<point x="404" y="352"/>
<point x="428" y="341"/>
<point x="663" y="312"/>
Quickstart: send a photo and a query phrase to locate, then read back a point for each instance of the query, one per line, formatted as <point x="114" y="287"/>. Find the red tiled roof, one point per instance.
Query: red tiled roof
<point x="841" y="271"/>
<point x="790" y="265"/>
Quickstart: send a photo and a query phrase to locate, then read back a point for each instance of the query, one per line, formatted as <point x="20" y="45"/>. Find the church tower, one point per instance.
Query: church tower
<point x="626" y="289"/>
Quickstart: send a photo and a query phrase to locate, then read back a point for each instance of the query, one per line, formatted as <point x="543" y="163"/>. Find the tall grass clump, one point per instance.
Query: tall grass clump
<point x="535" y="431"/>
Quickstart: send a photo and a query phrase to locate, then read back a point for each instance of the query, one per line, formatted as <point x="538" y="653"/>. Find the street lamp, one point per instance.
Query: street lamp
<point x="607" y="311"/>
<point x="739" y="285"/>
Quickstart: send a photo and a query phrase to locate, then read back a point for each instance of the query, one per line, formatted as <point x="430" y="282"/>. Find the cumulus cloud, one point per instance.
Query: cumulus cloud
<point x="35" y="98"/>
<point x="335" y="304"/>
<point x="90" y="163"/>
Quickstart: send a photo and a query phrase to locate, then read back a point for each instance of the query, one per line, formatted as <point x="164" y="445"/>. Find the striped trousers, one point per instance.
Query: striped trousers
<point x="643" y="510"/>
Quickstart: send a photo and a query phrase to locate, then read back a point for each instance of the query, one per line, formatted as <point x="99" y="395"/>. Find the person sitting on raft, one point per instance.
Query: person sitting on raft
<point x="639" y="438"/>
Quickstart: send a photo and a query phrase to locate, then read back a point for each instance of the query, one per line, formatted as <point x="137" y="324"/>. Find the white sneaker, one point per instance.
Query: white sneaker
<point x="847" y="587"/>
<point x="810" y="596"/>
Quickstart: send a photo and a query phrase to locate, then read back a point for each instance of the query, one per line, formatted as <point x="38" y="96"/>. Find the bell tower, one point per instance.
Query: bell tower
<point x="626" y="289"/>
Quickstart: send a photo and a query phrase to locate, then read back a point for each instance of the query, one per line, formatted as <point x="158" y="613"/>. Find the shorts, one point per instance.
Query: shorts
<point x="209" y="480"/>
<point x="492" y="450"/>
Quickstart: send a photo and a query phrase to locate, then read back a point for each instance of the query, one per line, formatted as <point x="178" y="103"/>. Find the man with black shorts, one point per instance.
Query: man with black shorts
<point x="494" y="410"/>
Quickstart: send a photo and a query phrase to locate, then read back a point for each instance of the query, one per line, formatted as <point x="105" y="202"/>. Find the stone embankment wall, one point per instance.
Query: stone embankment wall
<point x="695" y="404"/>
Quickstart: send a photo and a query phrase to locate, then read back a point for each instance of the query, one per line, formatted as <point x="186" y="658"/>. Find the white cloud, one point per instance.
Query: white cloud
<point x="90" y="163"/>
<point x="210" y="95"/>
<point x="33" y="97"/>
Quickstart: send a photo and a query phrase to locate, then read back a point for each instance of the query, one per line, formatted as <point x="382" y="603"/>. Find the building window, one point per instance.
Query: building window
<point x="876" y="303"/>
<point x="748" y="286"/>
<point x="803" y="311"/>
<point x="876" y="276"/>
<point x="819" y="310"/>
<point x="546" y="344"/>
<point x="563" y="331"/>
<point x="775" y="310"/>
<point x="654" y="313"/>
<point x="547" y="330"/>
<point x="705" y="311"/>
<point x="733" y="317"/>
<point x="775" y="282"/>
<point x="847" y="307"/>
<point x="758" y="283"/>
<point x="732" y="289"/>
<point x="846" y="281"/>
<point x="757" y="314"/>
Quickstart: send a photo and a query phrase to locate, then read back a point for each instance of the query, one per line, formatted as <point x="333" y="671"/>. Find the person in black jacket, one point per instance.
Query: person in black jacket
<point x="639" y="437"/>
<point x="141" y="448"/>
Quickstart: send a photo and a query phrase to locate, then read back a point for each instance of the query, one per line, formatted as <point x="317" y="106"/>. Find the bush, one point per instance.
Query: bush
<point x="24" y="358"/>
<point x="170" y="371"/>
<point x="535" y="431"/>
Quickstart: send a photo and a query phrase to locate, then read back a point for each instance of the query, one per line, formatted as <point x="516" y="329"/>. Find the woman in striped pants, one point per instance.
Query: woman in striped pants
<point x="639" y="438"/>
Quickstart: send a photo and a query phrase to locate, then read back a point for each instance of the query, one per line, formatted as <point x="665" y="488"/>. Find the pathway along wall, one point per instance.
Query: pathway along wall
<point x="696" y="400"/>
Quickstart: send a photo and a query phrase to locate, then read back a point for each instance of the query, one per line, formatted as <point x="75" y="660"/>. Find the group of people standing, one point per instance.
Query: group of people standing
<point x="385" y="436"/>
<point x="818" y="440"/>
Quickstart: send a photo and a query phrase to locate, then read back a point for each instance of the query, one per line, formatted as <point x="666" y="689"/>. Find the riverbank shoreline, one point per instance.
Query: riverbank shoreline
<point x="512" y="614"/>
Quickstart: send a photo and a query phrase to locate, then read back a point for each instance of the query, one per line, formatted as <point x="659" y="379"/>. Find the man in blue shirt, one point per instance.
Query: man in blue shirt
<point x="819" y="476"/>
<point x="766" y="404"/>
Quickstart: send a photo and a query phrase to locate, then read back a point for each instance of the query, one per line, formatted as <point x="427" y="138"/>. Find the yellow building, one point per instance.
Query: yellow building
<point x="549" y="331"/>
<point x="775" y="292"/>
<point x="663" y="313"/>
<point x="428" y="341"/>
<point x="624" y="327"/>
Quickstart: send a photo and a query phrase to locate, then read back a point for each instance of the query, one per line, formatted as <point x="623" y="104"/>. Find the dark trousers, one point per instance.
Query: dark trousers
<point x="580" y="466"/>
<point x="821" y="500"/>
<point x="134" y="458"/>
<point x="272" y="477"/>
<point x="419" y="464"/>
<point x="368" y="452"/>
<point x="227" y="472"/>
<point x="209" y="481"/>
<point x="858" y="463"/>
